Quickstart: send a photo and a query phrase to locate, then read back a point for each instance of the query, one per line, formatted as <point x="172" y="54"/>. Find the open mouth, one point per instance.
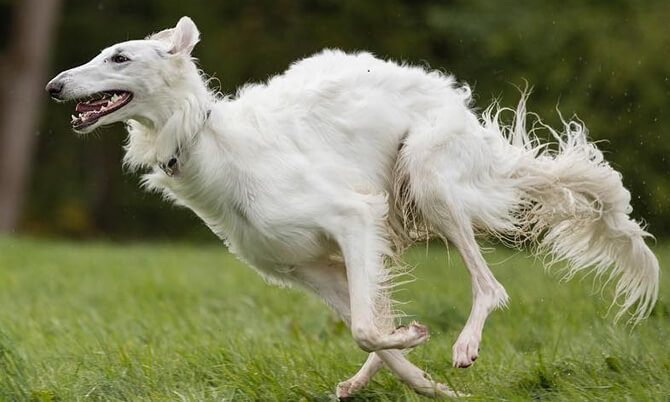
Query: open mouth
<point x="100" y="104"/>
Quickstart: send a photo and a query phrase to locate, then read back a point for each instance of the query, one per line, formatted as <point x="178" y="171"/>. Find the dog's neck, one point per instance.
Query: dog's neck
<point x="158" y="137"/>
<point x="172" y="165"/>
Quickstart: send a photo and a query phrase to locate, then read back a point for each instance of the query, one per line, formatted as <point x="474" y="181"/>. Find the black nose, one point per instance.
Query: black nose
<point x="54" y="89"/>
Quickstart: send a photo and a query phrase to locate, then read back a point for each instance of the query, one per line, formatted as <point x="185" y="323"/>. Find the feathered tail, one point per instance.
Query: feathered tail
<point x="573" y="206"/>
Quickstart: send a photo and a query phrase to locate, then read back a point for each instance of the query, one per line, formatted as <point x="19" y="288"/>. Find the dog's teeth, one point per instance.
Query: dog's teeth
<point x="73" y="117"/>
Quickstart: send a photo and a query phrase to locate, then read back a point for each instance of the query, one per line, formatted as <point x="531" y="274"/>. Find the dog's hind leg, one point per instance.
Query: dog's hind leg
<point x="444" y="170"/>
<point x="372" y="365"/>
<point x="487" y="292"/>
<point x="397" y="362"/>
<point x="328" y="280"/>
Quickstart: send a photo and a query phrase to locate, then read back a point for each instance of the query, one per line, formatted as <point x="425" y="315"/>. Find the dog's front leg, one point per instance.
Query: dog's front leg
<point x="328" y="280"/>
<point x="371" y="366"/>
<point x="411" y="375"/>
<point x="363" y="245"/>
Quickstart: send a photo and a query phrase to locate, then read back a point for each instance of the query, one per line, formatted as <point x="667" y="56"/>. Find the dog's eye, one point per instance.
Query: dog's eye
<point x="119" y="58"/>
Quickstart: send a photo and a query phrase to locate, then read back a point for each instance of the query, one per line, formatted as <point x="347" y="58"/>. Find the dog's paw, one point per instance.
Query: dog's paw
<point x="465" y="350"/>
<point x="414" y="334"/>
<point x="346" y="389"/>
<point x="435" y="389"/>
<point x="442" y="390"/>
<point x="343" y="390"/>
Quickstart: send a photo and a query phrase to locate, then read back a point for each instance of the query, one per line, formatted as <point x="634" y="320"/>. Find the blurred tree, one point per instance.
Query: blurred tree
<point x="22" y="78"/>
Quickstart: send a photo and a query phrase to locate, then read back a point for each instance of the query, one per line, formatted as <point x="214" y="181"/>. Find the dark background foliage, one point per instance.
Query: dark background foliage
<point x="606" y="61"/>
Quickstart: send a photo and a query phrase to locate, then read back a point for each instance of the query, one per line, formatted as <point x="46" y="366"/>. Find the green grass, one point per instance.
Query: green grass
<point x="172" y="322"/>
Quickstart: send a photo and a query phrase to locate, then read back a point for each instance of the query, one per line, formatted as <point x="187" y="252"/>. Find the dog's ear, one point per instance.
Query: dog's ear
<point x="184" y="36"/>
<point x="164" y="35"/>
<point x="181" y="39"/>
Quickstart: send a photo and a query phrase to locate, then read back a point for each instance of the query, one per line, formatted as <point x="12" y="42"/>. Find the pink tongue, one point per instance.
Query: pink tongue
<point x="91" y="105"/>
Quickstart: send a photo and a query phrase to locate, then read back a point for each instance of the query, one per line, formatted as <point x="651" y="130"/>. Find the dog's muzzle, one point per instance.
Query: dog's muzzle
<point x="55" y="88"/>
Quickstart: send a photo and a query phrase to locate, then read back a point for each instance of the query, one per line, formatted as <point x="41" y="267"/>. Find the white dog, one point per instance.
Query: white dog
<point x="322" y="175"/>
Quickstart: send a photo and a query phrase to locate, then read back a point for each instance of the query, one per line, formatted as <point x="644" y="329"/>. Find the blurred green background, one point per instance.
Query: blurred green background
<point x="607" y="61"/>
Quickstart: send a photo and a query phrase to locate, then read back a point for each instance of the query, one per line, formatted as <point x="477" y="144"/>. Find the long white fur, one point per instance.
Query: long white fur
<point x="575" y="208"/>
<point x="321" y="175"/>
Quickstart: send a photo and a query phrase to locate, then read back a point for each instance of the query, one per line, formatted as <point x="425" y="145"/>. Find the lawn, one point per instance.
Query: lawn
<point x="98" y="321"/>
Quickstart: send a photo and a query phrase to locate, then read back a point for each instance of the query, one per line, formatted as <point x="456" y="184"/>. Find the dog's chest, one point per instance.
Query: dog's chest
<point x="268" y="232"/>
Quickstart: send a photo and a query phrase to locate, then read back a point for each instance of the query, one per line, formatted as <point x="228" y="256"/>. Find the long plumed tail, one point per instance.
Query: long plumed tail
<point x="573" y="206"/>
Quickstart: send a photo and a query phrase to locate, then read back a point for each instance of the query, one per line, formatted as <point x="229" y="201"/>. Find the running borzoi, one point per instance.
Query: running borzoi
<point x="322" y="175"/>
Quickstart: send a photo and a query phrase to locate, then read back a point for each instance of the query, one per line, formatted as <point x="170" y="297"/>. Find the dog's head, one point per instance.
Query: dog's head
<point x="137" y="79"/>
